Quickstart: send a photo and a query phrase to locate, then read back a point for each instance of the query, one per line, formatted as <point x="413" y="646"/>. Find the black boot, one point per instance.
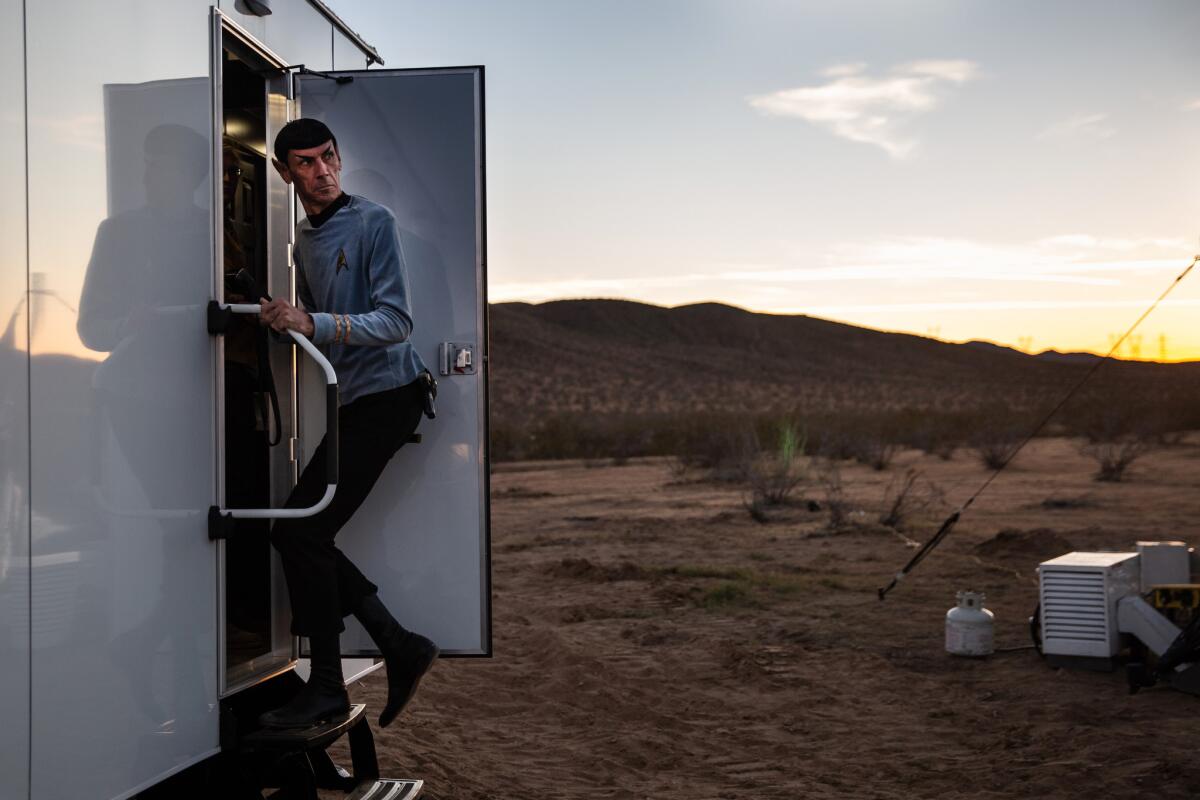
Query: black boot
<point x="324" y="696"/>
<point x="407" y="655"/>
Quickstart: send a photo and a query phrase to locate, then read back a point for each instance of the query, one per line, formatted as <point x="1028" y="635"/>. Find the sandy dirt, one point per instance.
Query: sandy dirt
<point x="653" y="641"/>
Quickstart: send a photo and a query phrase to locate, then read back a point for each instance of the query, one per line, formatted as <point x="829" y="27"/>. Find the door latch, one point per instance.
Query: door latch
<point x="456" y="358"/>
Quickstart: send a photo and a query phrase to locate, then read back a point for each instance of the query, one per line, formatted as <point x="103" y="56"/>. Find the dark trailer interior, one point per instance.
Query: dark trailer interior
<point x="252" y="423"/>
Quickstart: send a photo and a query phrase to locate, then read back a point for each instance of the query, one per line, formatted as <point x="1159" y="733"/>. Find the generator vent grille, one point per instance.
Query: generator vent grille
<point x="1073" y="605"/>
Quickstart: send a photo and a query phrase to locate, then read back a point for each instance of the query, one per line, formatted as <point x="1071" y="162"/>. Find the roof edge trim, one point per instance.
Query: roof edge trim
<point x="372" y="54"/>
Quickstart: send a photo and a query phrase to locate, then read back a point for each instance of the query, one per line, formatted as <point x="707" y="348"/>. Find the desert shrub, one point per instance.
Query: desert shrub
<point x="1175" y="416"/>
<point x="835" y="441"/>
<point x="1111" y="419"/>
<point x="505" y="442"/>
<point x="870" y="439"/>
<point x="774" y="474"/>
<point x="1114" y="457"/>
<point x="908" y="496"/>
<point x="1163" y="414"/>
<point x="1167" y="419"/>
<point x="1117" y="432"/>
<point x="597" y="438"/>
<point x="829" y="474"/>
<point x="875" y="448"/>
<point x="934" y="434"/>
<point x="719" y="446"/>
<point x="995" y="444"/>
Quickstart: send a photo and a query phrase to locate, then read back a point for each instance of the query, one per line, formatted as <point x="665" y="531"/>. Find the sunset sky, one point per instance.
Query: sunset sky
<point x="1023" y="172"/>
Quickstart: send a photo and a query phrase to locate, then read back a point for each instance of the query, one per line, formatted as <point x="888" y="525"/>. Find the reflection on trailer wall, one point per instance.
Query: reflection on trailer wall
<point x="123" y="577"/>
<point x="14" y="414"/>
<point x="289" y="30"/>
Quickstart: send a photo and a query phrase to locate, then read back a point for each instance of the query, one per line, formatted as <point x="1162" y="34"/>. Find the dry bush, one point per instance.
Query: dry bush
<point x="1159" y="412"/>
<point x="775" y="474"/>
<point x="829" y="475"/>
<point x="875" y="449"/>
<point x="995" y="445"/>
<point x="935" y="436"/>
<point x="1114" y="457"/>
<point x="835" y="442"/>
<point x="505" y="443"/>
<point x="1118" y="431"/>
<point x="720" y="448"/>
<point x="869" y="440"/>
<point x="908" y="497"/>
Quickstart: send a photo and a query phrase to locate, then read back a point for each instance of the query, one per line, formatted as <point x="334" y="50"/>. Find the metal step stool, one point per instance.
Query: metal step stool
<point x="301" y="764"/>
<point x="387" y="790"/>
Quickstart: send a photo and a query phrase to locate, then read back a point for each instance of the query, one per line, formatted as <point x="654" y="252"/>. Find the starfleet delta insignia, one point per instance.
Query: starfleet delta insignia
<point x="341" y="262"/>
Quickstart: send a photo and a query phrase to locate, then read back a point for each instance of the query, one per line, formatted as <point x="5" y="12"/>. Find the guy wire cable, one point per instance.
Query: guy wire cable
<point x="949" y="523"/>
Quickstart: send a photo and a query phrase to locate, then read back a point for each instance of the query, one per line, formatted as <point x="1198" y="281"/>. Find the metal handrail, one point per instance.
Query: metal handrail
<point x="218" y="517"/>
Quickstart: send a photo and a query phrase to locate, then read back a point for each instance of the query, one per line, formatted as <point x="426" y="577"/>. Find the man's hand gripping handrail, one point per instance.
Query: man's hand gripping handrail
<point x="218" y="517"/>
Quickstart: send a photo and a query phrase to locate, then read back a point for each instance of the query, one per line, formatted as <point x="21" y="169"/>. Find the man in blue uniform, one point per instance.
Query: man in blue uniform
<point x="352" y="284"/>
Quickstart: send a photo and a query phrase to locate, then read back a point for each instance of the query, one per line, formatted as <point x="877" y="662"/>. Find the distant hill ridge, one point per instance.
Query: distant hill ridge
<point x="618" y="356"/>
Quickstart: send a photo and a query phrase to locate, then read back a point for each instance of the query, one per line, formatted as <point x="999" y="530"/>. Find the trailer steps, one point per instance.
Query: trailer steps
<point x="296" y="760"/>
<point x="318" y="737"/>
<point x="387" y="790"/>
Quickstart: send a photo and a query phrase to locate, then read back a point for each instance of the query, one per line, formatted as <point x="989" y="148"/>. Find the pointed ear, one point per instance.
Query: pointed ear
<point x="283" y="171"/>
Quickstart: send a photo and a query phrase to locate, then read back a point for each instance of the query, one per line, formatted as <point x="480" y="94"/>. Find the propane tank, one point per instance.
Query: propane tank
<point x="969" y="626"/>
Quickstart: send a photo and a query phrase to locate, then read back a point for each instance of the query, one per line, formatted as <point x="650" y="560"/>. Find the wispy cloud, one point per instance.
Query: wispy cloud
<point x="984" y="305"/>
<point x="1086" y="244"/>
<point x="1080" y="126"/>
<point x="899" y="269"/>
<point x="867" y="109"/>
<point x="630" y="288"/>
<point x="1068" y="259"/>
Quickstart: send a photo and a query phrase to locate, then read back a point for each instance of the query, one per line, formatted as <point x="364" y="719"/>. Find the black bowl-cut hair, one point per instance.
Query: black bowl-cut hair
<point x="301" y="134"/>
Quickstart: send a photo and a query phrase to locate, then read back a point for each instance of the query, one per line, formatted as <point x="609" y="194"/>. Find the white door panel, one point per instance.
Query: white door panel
<point x="412" y="140"/>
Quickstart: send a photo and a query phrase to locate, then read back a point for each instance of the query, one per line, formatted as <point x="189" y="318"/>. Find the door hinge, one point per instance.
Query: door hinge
<point x="220" y="526"/>
<point x="218" y="318"/>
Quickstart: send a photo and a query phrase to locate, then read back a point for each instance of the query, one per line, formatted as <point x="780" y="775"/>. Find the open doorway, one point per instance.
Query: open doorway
<point x="251" y="419"/>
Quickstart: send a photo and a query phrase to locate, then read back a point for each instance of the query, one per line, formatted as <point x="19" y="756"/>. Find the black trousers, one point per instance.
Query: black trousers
<point x="324" y="586"/>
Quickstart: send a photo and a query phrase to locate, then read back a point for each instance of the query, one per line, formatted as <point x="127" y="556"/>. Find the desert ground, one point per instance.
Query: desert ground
<point x="653" y="641"/>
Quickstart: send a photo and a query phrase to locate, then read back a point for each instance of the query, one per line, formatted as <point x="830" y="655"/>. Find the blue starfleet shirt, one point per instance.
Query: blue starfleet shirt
<point x="351" y="277"/>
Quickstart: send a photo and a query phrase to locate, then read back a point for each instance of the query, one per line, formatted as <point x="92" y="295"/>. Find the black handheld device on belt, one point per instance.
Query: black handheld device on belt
<point x="428" y="393"/>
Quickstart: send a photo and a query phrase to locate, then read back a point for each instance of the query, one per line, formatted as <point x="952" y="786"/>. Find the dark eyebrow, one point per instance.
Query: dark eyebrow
<point x="322" y="154"/>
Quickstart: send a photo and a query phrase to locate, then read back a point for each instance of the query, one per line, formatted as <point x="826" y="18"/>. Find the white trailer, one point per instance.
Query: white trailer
<point x="135" y="174"/>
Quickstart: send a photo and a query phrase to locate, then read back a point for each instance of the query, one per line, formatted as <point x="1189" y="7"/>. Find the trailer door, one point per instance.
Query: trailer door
<point x="412" y="140"/>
